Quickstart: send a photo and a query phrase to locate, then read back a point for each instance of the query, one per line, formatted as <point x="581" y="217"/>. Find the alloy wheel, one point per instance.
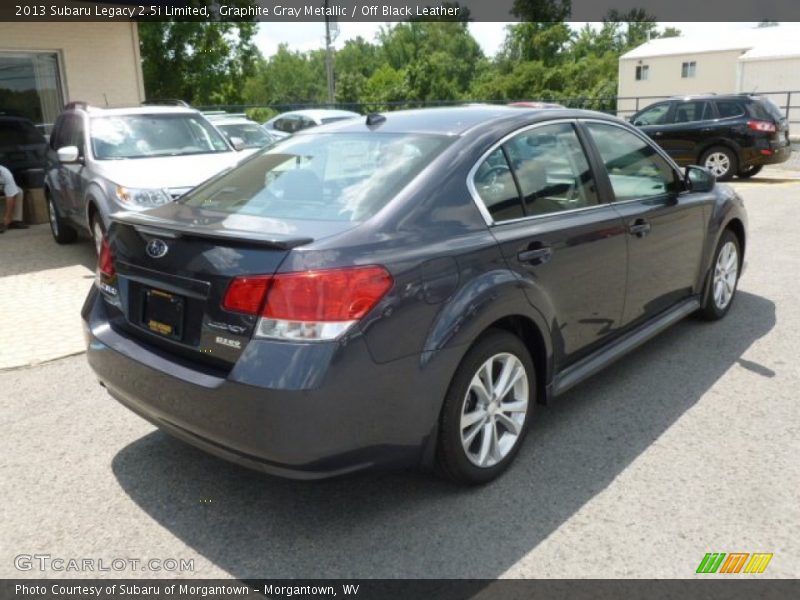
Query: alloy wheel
<point x="97" y="234"/>
<point x="726" y="271"/>
<point x="51" y="209"/>
<point x="494" y="409"/>
<point x="718" y="163"/>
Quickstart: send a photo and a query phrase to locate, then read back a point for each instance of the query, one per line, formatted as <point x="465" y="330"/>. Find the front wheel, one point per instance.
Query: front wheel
<point x="723" y="279"/>
<point x="487" y="409"/>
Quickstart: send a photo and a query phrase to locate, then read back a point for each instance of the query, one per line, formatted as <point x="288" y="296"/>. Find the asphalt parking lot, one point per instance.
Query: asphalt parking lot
<point x="688" y="446"/>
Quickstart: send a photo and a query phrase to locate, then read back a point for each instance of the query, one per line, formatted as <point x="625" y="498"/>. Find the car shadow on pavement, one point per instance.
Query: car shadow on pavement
<point x="412" y="525"/>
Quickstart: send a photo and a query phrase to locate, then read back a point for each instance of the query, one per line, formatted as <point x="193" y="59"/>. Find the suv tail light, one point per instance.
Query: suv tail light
<point x="309" y="305"/>
<point x="762" y="126"/>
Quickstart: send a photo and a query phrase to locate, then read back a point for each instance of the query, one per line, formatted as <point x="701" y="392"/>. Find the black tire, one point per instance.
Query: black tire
<point x="711" y="309"/>
<point x="750" y="171"/>
<point x="62" y="232"/>
<point x="452" y="460"/>
<point x="711" y="157"/>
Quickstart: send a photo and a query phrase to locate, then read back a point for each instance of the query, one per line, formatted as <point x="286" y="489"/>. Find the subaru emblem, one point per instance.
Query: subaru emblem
<point x="156" y="248"/>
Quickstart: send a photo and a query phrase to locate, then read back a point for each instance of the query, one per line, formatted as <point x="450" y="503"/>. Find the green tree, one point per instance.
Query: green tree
<point x="200" y="61"/>
<point x="288" y="77"/>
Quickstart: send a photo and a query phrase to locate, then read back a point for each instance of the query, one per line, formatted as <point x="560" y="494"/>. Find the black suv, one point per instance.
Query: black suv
<point x="23" y="149"/>
<point x="730" y="135"/>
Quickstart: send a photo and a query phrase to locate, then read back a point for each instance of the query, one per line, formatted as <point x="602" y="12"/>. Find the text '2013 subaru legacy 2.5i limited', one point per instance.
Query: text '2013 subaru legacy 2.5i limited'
<point x="403" y="289"/>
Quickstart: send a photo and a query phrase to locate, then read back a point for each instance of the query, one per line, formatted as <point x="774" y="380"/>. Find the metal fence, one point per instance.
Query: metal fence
<point x="623" y="106"/>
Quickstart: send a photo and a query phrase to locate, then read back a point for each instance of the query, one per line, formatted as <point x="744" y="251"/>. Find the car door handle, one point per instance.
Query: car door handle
<point x="658" y="133"/>
<point x="536" y="256"/>
<point x="640" y="228"/>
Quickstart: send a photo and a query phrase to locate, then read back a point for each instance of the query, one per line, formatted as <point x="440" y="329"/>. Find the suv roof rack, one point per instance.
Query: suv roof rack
<point x="167" y="102"/>
<point x="76" y="104"/>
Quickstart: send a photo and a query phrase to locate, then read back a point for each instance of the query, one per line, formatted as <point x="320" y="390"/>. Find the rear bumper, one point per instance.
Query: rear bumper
<point x="779" y="154"/>
<point x="357" y="415"/>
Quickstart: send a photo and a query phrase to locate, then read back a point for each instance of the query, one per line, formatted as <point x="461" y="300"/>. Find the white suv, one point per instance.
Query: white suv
<point x="109" y="160"/>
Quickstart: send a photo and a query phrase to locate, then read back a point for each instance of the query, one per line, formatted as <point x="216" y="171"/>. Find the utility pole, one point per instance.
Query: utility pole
<point x="329" y="57"/>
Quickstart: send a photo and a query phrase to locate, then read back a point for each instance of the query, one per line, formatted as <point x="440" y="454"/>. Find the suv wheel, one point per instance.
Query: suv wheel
<point x="721" y="162"/>
<point x="98" y="232"/>
<point x="750" y="171"/>
<point x="724" y="278"/>
<point x="487" y="409"/>
<point x="62" y="233"/>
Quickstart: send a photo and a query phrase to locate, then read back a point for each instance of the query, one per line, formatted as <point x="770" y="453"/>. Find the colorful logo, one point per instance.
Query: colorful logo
<point x="734" y="562"/>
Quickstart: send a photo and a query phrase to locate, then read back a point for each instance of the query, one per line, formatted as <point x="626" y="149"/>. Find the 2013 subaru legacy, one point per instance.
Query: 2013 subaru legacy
<point x="404" y="289"/>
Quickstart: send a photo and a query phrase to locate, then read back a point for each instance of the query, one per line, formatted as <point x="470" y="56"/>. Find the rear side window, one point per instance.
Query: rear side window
<point x="334" y="177"/>
<point x="635" y="168"/>
<point x="551" y="169"/>
<point x="495" y="185"/>
<point x="688" y="112"/>
<point x="729" y="108"/>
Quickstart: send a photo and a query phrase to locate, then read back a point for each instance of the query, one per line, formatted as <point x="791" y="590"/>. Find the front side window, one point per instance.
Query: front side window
<point x="334" y="177"/>
<point x="642" y="72"/>
<point x="551" y="169"/>
<point x="635" y="168"/>
<point x="653" y="115"/>
<point x="688" y="69"/>
<point x="153" y="135"/>
<point x="688" y="112"/>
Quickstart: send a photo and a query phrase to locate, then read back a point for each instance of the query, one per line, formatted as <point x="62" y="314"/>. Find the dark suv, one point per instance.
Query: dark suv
<point x="23" y="149"/>
<point x="730" y="135"/>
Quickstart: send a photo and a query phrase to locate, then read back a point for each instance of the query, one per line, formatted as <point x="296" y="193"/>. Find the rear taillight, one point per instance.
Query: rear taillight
<point x="311" y="305"/>
<point x="765" y="126"/>
<point x="106" y="273"/>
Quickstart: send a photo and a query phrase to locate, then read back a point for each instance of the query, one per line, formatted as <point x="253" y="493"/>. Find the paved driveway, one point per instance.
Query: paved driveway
<point x="687" y="446"/>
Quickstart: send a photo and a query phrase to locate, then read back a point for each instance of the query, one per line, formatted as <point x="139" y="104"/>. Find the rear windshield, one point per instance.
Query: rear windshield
<point x="770" y="108"/>
<point x="16" y="132"/>
<point x="337" y="176"/>
<point x="147" y="136"/>
<point x="251" y="134"/>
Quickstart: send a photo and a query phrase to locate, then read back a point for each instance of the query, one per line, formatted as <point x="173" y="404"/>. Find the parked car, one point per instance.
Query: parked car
<point x="23" y="150"/>
<point x="109" y="160"/>
<point x="246" y="135"/>
<point x="404" y="289"/>
<point x="536" y="104"/>
<point x="728" y="134"/>
<point x="285" y="124"/>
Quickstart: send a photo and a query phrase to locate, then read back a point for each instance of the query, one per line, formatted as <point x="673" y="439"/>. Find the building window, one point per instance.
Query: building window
<point x="642" y="71"/>
<point x="30" y="86"/>
<point x="688" y="69"/>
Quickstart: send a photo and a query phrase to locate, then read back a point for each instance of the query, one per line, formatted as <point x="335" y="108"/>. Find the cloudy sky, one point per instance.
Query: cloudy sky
<point x="308" y="36"/>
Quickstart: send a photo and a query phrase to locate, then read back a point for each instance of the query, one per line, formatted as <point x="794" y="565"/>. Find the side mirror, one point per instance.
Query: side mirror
<point x="699" y="179"/>
<point x="68" y="154"/>
<point x="637" y="122"/>
<point x="237" y="143"/>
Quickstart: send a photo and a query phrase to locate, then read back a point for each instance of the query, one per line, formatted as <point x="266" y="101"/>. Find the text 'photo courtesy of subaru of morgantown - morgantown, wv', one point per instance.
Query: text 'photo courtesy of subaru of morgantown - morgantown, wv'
<point x="400" y="289"/>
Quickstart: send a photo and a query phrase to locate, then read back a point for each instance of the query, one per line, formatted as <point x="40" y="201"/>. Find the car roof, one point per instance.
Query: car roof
<point x="713" y="97"/>
<point x="452" y="121"/>
<point x="139" y="110"/>
<point x="233" y="121"/>
<point x="320" y="113"/>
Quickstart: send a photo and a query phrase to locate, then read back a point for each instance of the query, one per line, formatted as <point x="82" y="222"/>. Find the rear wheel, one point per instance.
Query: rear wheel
<point x="487" y="409"/>
<point x="721" y="161"/>
<point x="750" y="171"/>
<point x="62" y="233"/>
<point x="723" y="279"/>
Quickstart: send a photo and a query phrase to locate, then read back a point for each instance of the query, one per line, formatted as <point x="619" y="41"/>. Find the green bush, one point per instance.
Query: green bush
<point x="260" y="114"/>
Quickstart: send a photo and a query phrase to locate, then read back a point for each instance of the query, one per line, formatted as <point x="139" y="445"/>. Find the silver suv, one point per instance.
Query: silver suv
<point x="123" y="159"/>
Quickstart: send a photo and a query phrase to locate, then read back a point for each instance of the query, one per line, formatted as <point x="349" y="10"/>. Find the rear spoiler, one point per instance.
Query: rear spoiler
<point x="173" y="229"/>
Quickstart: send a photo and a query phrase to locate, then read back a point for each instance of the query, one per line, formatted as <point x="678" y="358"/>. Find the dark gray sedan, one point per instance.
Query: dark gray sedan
<point x="404" y="289"/>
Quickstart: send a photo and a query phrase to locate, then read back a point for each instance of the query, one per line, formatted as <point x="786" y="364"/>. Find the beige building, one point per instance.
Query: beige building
<point x="753" y="60"/>
<point x="45" y="65"/>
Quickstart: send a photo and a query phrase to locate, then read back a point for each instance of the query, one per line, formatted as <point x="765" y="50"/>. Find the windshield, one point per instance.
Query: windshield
<point x="251" y="134"/>
<point x="338" y="177"/>
<point x="147" y="136"/>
